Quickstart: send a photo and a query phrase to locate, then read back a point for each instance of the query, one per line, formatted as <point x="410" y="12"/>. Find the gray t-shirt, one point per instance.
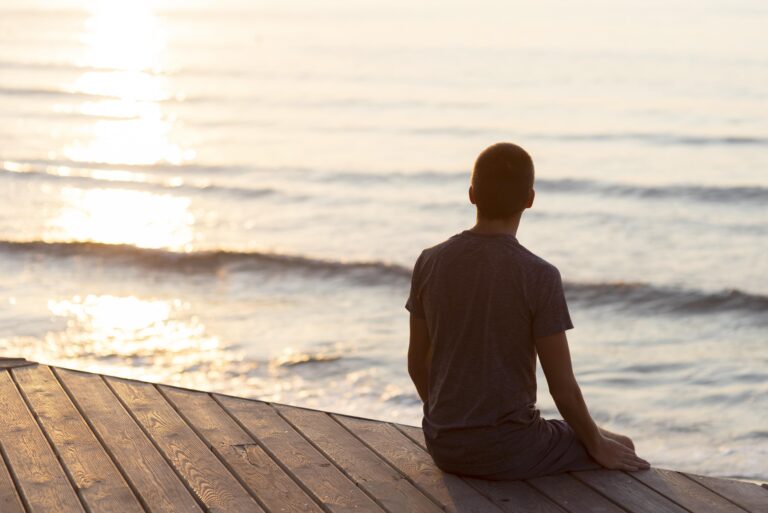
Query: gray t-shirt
<point x="485" y="299"/>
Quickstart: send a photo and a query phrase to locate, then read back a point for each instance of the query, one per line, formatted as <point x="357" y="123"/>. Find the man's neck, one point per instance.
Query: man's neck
<point x="497" y="226"/>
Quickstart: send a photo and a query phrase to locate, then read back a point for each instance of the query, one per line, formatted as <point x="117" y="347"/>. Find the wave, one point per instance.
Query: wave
<point x="211" y="261"/>
<point x="667" y="299"/>
<point x="71" y="66"/>
<point x="89" y="181"/>
<point x="739" y="193"/>
<point x="627" y="296"/>
<point x="660" y="138"/>
<point x="80" y="95"/>
<point x="139" y="168"/>
<point x="53" y="169"/>
<point x="35" y="92"/>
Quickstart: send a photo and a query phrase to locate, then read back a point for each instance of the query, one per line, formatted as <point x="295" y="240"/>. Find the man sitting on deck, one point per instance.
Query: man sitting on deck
<point x="482" y="307"/>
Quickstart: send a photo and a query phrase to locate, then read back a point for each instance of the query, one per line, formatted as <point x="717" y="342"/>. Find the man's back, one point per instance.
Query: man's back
<point x="485" y="298"/>
<point x="482" y="307"/>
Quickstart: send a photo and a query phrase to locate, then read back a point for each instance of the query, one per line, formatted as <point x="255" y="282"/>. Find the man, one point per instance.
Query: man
<point x="482" y="307"/>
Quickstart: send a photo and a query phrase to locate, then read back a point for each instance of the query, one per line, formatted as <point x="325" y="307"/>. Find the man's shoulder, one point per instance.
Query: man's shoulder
<point x="523" y="258"/>
<point x="538" y="263"/>
<point x="433" y="253"/>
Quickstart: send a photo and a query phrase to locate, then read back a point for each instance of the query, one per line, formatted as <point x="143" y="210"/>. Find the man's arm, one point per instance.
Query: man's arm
<point x="607" y="448"/>
<point x="418" y="350"/>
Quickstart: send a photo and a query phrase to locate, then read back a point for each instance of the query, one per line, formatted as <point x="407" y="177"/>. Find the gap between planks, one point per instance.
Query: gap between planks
<point x="334" y="492"/>
<point x="76" y="402"/>
<point x="101" y="441"/>
<point x="55" y="451"/>
<point x="222" y="458"/>
<point x="20" y="505"/>
<point x="375" y="472"/>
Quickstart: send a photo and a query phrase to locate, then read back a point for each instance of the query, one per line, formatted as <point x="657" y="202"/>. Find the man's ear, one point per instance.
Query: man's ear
<point x="472" y="196"/>
<point x="531" y="196"/>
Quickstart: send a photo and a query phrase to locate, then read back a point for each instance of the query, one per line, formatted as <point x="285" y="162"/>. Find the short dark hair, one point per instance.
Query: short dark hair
<point x="502" y="179"/>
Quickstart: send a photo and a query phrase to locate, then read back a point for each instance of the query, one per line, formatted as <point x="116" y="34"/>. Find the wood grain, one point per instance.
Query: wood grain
<point x="573" y="495"/>
<point x="41" y="479"/>
<point x="448" y="490"/>
<point x="686" y="492"/>
<point x="318" y="475"/>
<point x="391" y="490"/>
<point x="145" y="468"/>
<point x="414" y="433"/>
<point x="135" y="447"/>
<point x="99" y="483"/>
<point x="259" y="472"/>
<point x="193" y="460"/>
<point x="515" y="496"/>
<point x="10" y="502"/>
<point x="749" y="496"/>
<point x="627" y="491"/>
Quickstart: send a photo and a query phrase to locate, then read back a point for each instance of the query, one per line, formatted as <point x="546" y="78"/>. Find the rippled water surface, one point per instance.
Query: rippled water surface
<point x="230" y="196"/>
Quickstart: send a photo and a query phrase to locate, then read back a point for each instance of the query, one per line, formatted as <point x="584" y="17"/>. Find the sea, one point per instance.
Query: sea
<point x="230" y="195"/>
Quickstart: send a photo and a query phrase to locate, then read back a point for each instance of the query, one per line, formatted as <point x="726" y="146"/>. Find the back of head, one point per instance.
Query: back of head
<point x="502" y="180"/>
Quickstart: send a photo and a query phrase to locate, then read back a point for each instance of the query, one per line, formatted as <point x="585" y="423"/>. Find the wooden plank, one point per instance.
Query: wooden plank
<point x="199" y="467"/>
<point x="332" y="488"/>
<point x="448" y="490"/>
<point x="515" y="496"/>
<point x="630" y="493"/>
<point x="154" y="480"/>
<point x="414" y="433"/>
<point x="99" y="483"/>
<point x="40" y="477"/>
<point x="260" y="474"/>
<point x="749" y="496"/>
<point x="686" y="492"/>
<point x="390" y="489"/>
<point x="11" y="363"/>
<point x="10" y="502"/>
<point x="573" y="495"/>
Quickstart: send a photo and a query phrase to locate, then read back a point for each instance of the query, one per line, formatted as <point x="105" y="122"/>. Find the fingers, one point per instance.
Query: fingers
<point x="630" y="461"/>
<point x="615" y="455"/>
<point x="616" y="437"/>
<point x="635" y="462"/>
<point x="633" y="465"/>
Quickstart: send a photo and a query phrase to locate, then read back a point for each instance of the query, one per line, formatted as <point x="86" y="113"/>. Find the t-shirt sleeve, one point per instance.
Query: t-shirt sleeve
<point x="414" y="304"/>
<point x="550" y="314"/>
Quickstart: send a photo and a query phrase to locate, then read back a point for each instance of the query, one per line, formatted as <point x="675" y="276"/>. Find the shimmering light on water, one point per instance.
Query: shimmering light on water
<point x="126" y="40"/>
<point x="111" y="326"/>
<point x="123" y="35"/>
<point x="116" y="216"/>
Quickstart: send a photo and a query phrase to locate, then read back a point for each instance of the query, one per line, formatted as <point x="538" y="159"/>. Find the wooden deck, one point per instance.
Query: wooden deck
<point x="79" y="442"/>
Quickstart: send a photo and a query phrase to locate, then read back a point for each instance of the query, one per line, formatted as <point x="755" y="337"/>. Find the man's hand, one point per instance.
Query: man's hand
<point x="622" y="439"/>
<point x="612" y="454"/>
<point x="611" y="450"/>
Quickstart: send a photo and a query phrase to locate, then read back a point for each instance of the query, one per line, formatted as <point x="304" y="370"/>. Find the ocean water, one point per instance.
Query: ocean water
<point x="231" y="195"/>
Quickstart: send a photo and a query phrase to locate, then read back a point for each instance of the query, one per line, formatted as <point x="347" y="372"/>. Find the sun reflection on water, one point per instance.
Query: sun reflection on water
<point x="125" y="43"/>
<point x="124" y="35"/>
<point x="130" y="328"/>
<point x="118" y="216"/>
